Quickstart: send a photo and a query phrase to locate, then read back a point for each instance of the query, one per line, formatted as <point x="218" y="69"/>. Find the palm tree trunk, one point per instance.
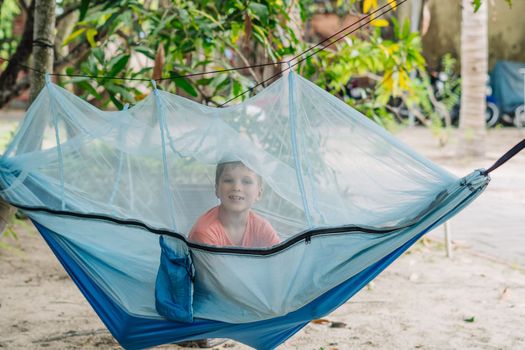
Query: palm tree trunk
<point x="474" y="69"/>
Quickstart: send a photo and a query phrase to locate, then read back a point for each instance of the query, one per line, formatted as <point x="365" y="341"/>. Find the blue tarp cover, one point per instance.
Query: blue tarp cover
<point x="506" y="81"/>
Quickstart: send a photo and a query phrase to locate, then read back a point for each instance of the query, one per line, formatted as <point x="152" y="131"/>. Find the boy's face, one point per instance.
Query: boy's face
<point x="238" y="188"/>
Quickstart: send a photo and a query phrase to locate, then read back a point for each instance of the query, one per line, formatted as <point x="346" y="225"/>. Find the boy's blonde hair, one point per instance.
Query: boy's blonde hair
<point x="222" y="166"/>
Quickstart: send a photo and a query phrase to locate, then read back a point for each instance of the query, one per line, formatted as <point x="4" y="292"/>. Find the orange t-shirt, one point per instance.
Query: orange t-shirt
<point x="259" y="233"/>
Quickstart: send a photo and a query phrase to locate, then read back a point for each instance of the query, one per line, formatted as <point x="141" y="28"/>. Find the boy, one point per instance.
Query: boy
<point x="233" y="223"/>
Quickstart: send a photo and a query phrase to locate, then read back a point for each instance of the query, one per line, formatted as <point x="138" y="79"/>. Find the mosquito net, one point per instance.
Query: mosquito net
<point x="103" y="183"/>
<point x="322" y="163"/>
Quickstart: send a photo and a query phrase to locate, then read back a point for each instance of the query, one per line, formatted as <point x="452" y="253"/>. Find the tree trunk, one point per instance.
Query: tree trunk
<point x="42" y="60"/>
<point x="43" y="43"/>
<point x="474" y="69"/>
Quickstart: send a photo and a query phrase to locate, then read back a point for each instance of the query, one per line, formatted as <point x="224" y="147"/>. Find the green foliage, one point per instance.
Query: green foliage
<point x="452" y="86"/>
<point x="196" y="36"/>
<point x="9" y="235"/>
<point x="6" y="137"/>
<point x="214" y="35"/>
<point x="387" y="63"/>
<point x="9" y="10"/>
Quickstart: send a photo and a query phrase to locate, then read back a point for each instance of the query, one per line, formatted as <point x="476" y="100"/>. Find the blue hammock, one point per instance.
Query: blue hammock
<point x="115" y="194"/>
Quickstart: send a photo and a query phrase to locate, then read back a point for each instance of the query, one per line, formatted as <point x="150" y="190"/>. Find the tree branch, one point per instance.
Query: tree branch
<point x="22" y="4"/>
<point x="21" y="55"/>
<point x="14" y="90"/>
<point x="207" y="99"/>
<point x="440" y="107"/>
<point x="417" y="113"/>
<point x="245" y="61"/>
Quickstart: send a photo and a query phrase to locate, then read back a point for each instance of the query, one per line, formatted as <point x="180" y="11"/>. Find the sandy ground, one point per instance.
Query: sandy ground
<point x="495" y="222"/>
<point x="474" y="300"/>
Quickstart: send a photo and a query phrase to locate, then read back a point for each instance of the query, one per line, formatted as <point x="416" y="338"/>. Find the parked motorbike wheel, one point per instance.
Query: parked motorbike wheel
<point x="519" y="116"/>
<point x="491" y="114"/>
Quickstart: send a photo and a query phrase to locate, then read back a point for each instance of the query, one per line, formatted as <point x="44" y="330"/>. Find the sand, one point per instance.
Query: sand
<point x="424" y="300"/>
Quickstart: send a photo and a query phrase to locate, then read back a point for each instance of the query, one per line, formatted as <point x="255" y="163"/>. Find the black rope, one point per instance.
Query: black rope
<point x="43" y="43"/>
<point x="21" y="65"/>
<point x="39" y="43"/>
<point x="347" y="27"/>
<point x="504" y="158"/>
<point x="315" y="52"/>
<point x="368" y="16"/>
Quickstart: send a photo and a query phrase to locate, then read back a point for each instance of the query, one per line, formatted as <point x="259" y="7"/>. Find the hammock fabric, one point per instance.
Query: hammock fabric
<point x="115" y="194"/>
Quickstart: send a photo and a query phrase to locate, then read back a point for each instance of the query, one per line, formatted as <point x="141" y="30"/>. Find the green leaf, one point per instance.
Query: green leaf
<point x="146" y="51"/>
<point x="260" y="11"/>
<point x="225" y="84"/>
<point x="117" y="64"/>
<point x="118" y="89"/>
<point x="260" y="33"/>
<point x="202" y="63"/>
<point x="84" y="5"/>
<point x="184" y="16"/>
<point x="115" y="101"/>
<point x="90" y="36"/>
<point x="99" y="54"/>
<point x="406" y="28"/>
<point x="185" y="85"/>
<point x="476" y="4"/>
<point x="237" y="88"/>
<point x="90" y="89"/>
<point x="73" y="35"/>
<point x="218" y="80"/>
<point x="204" y="81"/>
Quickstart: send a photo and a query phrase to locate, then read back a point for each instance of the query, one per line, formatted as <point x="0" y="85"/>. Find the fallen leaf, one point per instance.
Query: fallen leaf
<point x="470" y="319"/>
<point x="321" y="321"/>
<point x="505" y="294"/>
<point x="338" y="325"/>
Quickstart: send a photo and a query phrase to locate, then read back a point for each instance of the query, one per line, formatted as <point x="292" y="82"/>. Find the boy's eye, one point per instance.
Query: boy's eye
<point x="247" y="181"/>
<point x="227" y="180"/>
